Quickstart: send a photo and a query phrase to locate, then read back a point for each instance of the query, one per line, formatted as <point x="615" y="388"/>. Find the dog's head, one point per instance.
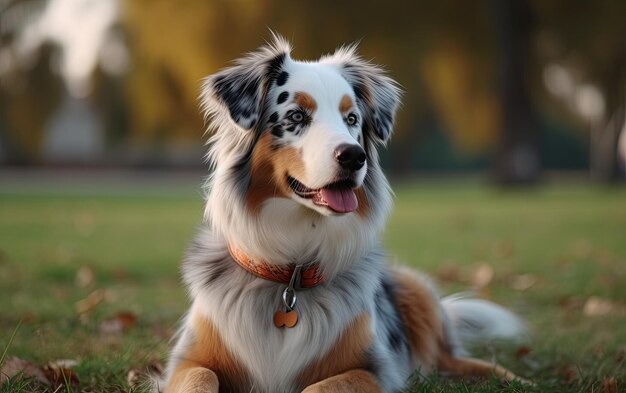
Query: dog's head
<point x="304" y="130"/>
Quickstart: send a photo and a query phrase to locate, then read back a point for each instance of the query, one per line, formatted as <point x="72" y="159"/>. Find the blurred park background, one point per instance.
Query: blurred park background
<point x="101" y="164"/>
<point x="507" y="88"/>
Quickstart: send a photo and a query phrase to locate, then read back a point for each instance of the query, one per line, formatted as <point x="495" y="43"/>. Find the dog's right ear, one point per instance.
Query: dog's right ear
<point x="238" y="92"/>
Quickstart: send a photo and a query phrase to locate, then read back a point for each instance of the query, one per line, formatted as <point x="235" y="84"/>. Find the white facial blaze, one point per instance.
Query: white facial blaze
<point x="327" y="129"/>
<point x="318" y="152"/>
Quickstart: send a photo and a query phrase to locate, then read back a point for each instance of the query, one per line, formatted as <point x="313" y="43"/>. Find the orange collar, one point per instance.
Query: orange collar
<point x="309" y="277"/>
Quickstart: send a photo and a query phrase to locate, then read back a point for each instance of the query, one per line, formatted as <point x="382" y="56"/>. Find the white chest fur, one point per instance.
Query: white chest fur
<point x="275" y="357"/>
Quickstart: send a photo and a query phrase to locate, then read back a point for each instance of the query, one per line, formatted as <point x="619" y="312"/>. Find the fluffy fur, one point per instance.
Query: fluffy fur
<point x="285" y="189"/>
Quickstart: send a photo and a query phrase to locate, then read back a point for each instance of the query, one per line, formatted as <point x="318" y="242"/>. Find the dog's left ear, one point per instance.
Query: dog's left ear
<point x="378" y="96"/>
<point x="238" y="92"/>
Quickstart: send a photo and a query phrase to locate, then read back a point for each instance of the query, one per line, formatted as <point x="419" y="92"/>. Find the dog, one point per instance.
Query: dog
<point x="289" y="283"/>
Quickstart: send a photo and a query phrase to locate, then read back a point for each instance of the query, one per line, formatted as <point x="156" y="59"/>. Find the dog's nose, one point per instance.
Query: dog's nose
<point x="350" y="157"/>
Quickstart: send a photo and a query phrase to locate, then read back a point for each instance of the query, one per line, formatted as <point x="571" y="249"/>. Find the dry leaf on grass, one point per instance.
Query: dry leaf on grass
<point x="85" y="276"/>
<point x="523" y="354"/>
<point x="119" y="323"/>
<point x="609" y="385"/>
<point x="571" y="303"/>
<point x="483" y="275"/>
<point x="14" y="366"/>
<point x="522" y="351"/>
<point x="87" y="304"/>
<point x="60" y="376"/>
<point x="522" y="282"/>
<point x="570" y="374"/>
<point x="56" y="373"/>
<point x="449" y="272"/>
<point x="598" y="306"/>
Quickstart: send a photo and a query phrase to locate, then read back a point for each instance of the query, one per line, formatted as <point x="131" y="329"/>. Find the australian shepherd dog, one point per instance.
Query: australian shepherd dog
<point x="289" y="284"/>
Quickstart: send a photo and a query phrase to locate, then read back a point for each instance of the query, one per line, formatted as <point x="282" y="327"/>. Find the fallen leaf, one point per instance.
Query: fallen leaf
<point x="60" y="376"/>
<point x="571" y="303"/>
<point x="14" y="366"/>
<point x="597" y="306"/>
<point x="522" y="351"/>
<point x="449" y="272"/>
<point x="524" y="355"/>
<point x="90" y="302"/>
<point x="609" y="385"/>
<point x="85" y="276"/>
<point x="119" y="323"/>
<point x="570" y="374"/>
<point x="483" y="275"/>
<point x="523" y="282"/>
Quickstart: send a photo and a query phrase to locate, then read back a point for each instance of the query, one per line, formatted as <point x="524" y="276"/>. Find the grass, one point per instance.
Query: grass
<point x="565" y="243"/>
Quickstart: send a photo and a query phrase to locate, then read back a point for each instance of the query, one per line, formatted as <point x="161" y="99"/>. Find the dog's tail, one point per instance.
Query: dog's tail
<point x="476" y="320"/>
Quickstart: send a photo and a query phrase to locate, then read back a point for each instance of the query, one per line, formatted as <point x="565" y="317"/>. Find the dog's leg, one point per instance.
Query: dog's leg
<point x="426" y="333"/>
<point x="193" y="379"/>
<point x="205" y="363"/>
<point x="353" y="381"/>
<point x="469" y="367"/>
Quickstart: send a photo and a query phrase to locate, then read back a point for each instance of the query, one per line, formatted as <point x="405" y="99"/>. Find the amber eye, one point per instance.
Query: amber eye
<point x="297" y="117"/>
<point x="351" y="119"/>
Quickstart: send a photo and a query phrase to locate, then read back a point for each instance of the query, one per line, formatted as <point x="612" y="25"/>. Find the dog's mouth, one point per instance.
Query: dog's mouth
<point x="338" y="196"/>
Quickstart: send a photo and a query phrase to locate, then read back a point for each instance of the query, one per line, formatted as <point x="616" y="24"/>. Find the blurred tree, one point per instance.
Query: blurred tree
<point x="517" y="158"/>
<point x="470" y="71"/>
<point x="27" y="109"/>
<point x="174" y="45"/>
<point x="587" y="40"/>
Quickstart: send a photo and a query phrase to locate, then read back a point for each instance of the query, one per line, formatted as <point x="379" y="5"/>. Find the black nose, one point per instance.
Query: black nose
<point x="350" y="156"/>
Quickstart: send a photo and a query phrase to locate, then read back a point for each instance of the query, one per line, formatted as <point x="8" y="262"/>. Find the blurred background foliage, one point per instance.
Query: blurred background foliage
<point x="512" y="87"/>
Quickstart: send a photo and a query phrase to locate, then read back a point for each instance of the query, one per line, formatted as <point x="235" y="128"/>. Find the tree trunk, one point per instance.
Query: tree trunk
<point x="603" y="159"/>
<point x="517" y="159"/>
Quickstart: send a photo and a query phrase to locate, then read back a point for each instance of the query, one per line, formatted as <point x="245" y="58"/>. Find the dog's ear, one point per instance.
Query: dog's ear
<point x="378" y="96"/>
<point x="238" y="92"/>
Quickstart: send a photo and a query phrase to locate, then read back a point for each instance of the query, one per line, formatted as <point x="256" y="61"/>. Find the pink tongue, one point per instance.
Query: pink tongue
<point x="340" y="200"/>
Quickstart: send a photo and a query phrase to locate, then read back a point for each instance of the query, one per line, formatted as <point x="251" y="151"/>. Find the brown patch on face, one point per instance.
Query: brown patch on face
<point x="420" y="314"/>
<point x="364" y="206"/>
<point x="208" y="351"/>
<point x="268" y="172"/>
<point x="345" y="104"/>
<point x="305" y="101"/>
<point x="348" y="353"/>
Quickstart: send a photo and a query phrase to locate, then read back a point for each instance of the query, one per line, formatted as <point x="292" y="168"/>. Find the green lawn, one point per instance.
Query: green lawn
<point x="552" y="249"/>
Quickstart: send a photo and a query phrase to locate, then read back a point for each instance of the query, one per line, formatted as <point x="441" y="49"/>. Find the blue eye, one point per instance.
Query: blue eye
<point x="297" y="117"/>
<point x="351" y="119"/>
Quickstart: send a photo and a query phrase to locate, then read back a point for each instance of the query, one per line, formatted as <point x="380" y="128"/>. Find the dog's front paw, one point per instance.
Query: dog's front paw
<point x="194" y="380"/>
<point x="354" y="381"/>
